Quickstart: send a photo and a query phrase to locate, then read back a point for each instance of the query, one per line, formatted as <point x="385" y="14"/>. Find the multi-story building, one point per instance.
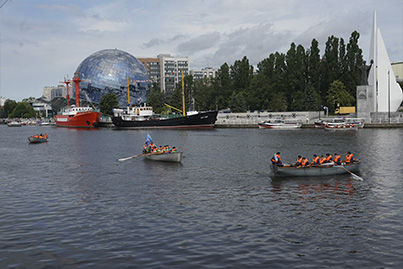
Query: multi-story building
<point x="200" y="74"/>
<point x="152" y="66"/>
<point x="398" y="70"/>
<point x="170" y="70"/>
<point x="50" y="92"/>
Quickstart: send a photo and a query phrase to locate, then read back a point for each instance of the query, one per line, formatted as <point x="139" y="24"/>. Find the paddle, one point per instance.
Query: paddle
<point x="354" y="175"/>
<point x="132" y="157"/>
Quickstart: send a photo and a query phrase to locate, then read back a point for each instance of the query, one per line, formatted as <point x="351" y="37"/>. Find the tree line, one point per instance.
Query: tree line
<point x="297" y="80"/>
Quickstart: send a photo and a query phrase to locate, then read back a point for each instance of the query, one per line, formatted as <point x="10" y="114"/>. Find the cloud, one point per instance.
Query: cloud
<point x="199" y="43"/>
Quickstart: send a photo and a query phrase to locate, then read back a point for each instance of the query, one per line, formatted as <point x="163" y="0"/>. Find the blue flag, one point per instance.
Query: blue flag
<point x="149" y="140"/>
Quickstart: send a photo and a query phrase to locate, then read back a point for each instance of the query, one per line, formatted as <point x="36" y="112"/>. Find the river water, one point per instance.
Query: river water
<point x="69" y="203"/>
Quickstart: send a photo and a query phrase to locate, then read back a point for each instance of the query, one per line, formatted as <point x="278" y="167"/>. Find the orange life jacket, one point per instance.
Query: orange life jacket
<point x="299" y="161"/>
<point x="337" y="158"/>
<point x="329" y="158"/>
<point x="315" y="160"/>
<point x="322" y="160"/>
<point x="349" y="158"/>
<point x="304" y="162"/>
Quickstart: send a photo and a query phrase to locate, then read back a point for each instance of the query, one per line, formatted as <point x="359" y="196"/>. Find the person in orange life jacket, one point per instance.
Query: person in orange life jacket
<point x="349" y="158"/>
<point x="299" y="161"/>
<point x="304" y="162"/>
<point x="322" y="160"/>
<point x="337" y="159"/>
<point x="174" y="150"/>
<point x="276" y="159"/>
<point x="329" y="158"/>
<point x="315" y="160"/>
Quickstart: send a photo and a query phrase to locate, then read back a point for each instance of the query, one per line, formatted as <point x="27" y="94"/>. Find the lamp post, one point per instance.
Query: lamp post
<point x="389" y="95"/>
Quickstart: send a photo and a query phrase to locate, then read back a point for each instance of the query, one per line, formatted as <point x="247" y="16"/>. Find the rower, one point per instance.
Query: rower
<point x="299" y="161"/>
<point x="337" y="159"/>
<point x="329" y="158"/>
<point x="276" y="159"/>
<point x="322" y="159"/>
<point x="315" y="160"/>
<point x="349" y="158"/>
<point x="304" y="162"/>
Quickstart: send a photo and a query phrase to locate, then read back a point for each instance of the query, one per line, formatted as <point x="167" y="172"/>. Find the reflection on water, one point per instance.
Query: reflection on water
<point x="70" y="203"/>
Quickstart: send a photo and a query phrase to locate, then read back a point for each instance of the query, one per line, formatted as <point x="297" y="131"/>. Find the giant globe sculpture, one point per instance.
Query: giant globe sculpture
<point x="107" y="71"/>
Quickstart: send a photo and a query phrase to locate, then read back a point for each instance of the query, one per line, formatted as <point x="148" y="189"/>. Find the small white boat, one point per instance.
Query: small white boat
<point x="279" y="124"/>
<point x="173" y="157"/>
<point x="14" y="124"/>
<point x="339" y="122"/>
<point x="341" y="127"/>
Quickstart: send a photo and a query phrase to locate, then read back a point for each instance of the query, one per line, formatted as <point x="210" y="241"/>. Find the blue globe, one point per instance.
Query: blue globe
<point x="107" y="71"/>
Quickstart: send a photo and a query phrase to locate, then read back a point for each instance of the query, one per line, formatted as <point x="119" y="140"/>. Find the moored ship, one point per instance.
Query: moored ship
<point x="77" y="116"/>
<point x="143" y="118"/>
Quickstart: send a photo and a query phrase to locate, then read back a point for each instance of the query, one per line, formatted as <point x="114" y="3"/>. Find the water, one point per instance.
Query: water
<point x="70" y="204"/>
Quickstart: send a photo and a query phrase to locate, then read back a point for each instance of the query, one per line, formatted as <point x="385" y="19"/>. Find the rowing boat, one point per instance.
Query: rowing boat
<point x="173" y="157"/>
<point x="33" y="139"/>
<point x="316" y="170"/>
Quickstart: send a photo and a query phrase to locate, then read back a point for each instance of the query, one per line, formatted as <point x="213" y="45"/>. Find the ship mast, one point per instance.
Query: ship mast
<point x="77" y="81"/>
<point x="183" y="95"/>
<point x="67" y="86"/>
<point x="128" y="95"/>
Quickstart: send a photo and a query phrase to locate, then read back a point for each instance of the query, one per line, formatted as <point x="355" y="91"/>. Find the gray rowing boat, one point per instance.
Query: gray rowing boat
<point x="311" y="171"/>
<point x="173" y="157"/>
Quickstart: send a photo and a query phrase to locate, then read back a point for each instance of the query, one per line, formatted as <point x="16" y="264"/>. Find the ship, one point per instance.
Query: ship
<point x="142" y="117"/>
<point x="76" y="116"/>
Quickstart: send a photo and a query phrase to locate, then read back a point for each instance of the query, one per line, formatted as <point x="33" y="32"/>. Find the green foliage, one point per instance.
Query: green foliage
<point x="156" y="99"/>
<point x="29" y="99"/>
<point x="9" y="106"/>
<point x="277" y="102"/>
<point x="237" y="102"/>
<point x="108" y="102"/>
<point x="338" y="96"/>
<point x="23" y="110"/>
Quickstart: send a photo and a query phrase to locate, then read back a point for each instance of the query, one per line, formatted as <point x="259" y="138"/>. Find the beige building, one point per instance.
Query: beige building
<point x="398" y="71"/>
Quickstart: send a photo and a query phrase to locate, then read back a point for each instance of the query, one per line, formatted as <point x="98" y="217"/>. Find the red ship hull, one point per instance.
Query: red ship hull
<point x="88" y="119"/>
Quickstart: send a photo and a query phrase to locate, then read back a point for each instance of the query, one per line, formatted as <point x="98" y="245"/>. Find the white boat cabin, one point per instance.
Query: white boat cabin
<point x="73" y="110"/>
<point x="134" y="113"/>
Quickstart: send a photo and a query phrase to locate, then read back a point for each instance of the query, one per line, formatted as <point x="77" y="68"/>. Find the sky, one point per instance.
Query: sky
<point x="44" y="41"/>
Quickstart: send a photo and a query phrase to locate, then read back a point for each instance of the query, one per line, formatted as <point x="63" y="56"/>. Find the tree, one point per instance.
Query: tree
<point x="156" y="99"/>
<point x="222" y="87"/>
<point x="58" y="103"/>
<point x="9" y="106"/>
<point x="241" y="75"/>
<point x="277" y="102"/>
<point x="338" y="96"/>
<point x="237" y="102"/>
<point x="108" y="102"/>
<point x="23" y="110"/>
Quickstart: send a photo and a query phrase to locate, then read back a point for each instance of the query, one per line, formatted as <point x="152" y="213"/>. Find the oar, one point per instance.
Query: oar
<point x="132" y="157"/>
<point x="354" y="175"/>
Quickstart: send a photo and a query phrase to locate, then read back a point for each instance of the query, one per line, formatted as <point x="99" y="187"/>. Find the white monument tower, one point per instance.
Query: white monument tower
<point x="383" y="93"/>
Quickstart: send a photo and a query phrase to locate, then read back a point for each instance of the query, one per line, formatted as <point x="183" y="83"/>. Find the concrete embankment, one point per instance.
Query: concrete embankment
<point x="311" y="125"/>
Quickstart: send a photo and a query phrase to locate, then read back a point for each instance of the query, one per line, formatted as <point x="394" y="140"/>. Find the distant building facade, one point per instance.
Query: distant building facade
<point x="2" y="101"/>
<point x="398" y="71"/>
<point x="170" y="70"/>
<point x="42" y="106"/>
<point x="51" y="92"/>
<point x="203" y="73"/>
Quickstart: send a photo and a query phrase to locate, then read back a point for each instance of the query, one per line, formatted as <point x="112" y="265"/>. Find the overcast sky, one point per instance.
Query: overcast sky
<point x="43" y="41"/>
